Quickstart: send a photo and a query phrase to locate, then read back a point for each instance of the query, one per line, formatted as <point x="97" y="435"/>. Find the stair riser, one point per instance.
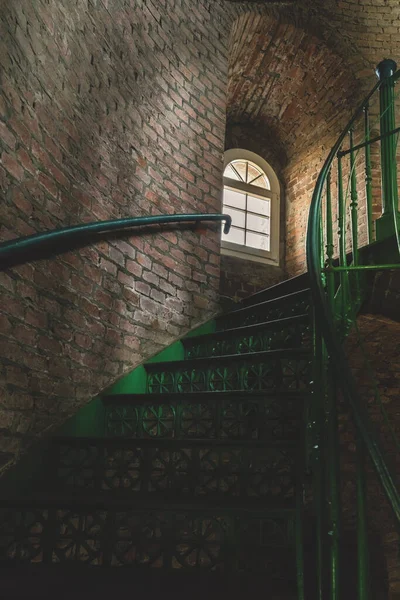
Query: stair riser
<point x="159" y="539"/>
<point x="196" y="471"/>
<point x="222" y="418"/>
<point x="292" y="336"/>
<point x="278" y="374"/>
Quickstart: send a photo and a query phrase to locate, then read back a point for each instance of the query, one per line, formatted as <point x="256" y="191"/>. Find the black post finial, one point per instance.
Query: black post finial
<point x="386" y="68"/>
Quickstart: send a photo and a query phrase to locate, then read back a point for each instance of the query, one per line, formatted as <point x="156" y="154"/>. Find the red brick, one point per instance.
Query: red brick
<point x="134" y="268"/>
<point x="48" y="184"/>
<point x="7" y="136"/>
<point x="12" y="166"/>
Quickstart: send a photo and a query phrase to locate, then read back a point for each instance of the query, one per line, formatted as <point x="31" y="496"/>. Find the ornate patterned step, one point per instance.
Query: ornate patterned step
<point x="278" y="370"/>
<point x="216" y="540"/>
<point x="292" y="332"/>
<point x="226" y="415"/>
<point x="290" y="305"/>
<point x="191" y="471"/>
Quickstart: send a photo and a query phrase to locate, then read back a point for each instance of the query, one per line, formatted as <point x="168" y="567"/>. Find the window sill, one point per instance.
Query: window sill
<point x="259" y="258"/>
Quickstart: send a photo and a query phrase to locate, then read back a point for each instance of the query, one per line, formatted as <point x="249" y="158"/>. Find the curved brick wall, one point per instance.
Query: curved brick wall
<point x="110" y="109"/>
<point x="107" y="109"/>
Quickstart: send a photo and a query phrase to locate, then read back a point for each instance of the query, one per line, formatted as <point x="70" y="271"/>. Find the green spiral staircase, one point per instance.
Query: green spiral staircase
<point x="220" y="477"/>
<point x="202" y="473"/>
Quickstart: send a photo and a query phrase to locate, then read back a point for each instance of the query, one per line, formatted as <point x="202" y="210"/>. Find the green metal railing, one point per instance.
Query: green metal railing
<point x="25" y="249"/>
<point x="336" y="232"/>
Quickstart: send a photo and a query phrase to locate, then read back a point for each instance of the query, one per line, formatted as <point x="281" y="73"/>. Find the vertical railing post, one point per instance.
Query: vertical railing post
<point x="368" y="174"/>
<point x="363" y="591"/>
<point x="354" y="201"/>
<point x="317" y="460"/>
<point x="330" y="278"/>
<point x="354" y="213"/>
<point x="385" y="226"/>
<point x="331" y="428"/>
<point x="342" y="245"/>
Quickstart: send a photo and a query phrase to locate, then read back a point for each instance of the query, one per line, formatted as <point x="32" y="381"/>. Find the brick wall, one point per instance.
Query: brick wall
<point x="241" y="278"/>
<point x="107" y="110"/>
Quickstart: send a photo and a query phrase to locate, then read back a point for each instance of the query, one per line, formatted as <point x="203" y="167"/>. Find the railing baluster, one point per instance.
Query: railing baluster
<point x="354" y="201"/>
<point x="332" y="447"/>
<point x="342" y="243"/>
<point x="330" y="278"/>
<point x="322" y="246"/>
<point x="390" y="203"/>
<point x="368" y="174"/>
<point x="354" y="212"/>
<point x="362" y="534"/>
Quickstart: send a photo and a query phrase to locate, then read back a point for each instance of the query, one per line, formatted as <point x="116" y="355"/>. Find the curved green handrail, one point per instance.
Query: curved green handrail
<point x="325" y="321"/>
<point x="21" y="249"/>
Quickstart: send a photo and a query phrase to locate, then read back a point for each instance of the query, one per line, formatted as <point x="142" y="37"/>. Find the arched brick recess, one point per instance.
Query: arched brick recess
<point x="298" y="91"/>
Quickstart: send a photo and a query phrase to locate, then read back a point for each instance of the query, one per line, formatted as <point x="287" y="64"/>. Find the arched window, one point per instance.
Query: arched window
<point x="251" y="197"/>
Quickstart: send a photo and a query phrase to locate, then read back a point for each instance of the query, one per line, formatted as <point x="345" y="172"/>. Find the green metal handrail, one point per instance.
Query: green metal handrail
<point x="321" y="274"/>
<point x="22" y="249"/>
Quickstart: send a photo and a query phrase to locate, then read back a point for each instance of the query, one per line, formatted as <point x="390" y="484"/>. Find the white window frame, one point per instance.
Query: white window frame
<point x="241" y="250"/>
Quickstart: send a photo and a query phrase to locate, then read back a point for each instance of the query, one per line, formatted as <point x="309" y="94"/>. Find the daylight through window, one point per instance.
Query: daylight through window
<point x="249" y="198"/>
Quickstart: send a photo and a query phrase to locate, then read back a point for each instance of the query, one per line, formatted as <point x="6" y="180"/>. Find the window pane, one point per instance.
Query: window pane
<point x="238" y="217"/>
<point x="235" y="235"/>
<point x="253" y="172"/>
<point x="258" y="205"/>
<point x="255" y="240"/>
<point x="240" y="166"/>
<point x="262" y="182"/>
<point x="257" y="223"/>
<point x="229" y="172"/>
<point x="236" y="199"/>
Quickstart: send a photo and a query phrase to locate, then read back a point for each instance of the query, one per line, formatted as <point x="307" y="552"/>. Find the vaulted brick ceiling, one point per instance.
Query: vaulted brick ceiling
<point x="286" y="82"/>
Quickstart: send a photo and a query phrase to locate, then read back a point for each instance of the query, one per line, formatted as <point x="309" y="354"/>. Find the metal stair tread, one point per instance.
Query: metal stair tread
<point x="174" y="442"/>
<point x="274" y="289"/>
<point x="245" y="328"/>
<point x="82" y="498"/>
<point x="243" y="309"/>
<point x="257" y="356"/>
<point x="42" y="581"/>
<point x="208" y="395"/>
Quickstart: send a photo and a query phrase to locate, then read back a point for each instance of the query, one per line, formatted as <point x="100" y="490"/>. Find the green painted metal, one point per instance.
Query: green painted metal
<point x="333" y="486"/>
<point x="325" y="321"/>
<point x="330" y="278"/>
<point x="317" y="461"/>
<point x="363" y="587"/>
<point x="21" y="249"/>
<point x="368" y="174"/>
<point x="135" y="381"/>
<point x="365" y="268"/>
<point x="385" y="225"/>
<point x="331" y="435"/>
<point x="344" y="283"/>
<point x="299" y="533"/>
<point x="88" y="421"/>
<point x="368" y="142"/>
<point x="354" y="212"/>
